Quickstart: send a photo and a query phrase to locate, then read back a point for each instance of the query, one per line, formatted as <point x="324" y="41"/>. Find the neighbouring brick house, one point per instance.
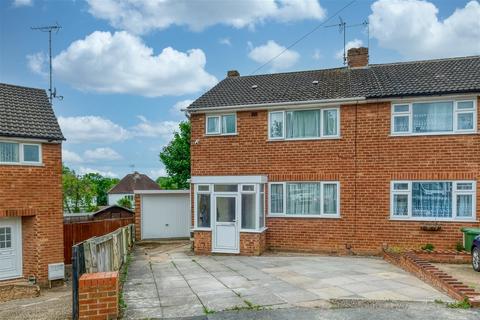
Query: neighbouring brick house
<point x="31" y="213"/>
<point x="351" y="159"/>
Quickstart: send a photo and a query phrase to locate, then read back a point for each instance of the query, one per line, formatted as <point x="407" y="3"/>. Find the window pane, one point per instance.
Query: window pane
<point x="9" y="152"/>
<point x="401" y="108"/>
<point x="400" y="186"/>
<point x="465" y="121"/>
<point x="464" y="186"/>
<point x="226" y="207"/>
<point x="213" y="125"/>
<point x="248" y="188"/>
<point x="248" y="211"/>
<point x="276" y="124"/>
<point x="276" y="198"/>
<point x="400" y="205"/>
<point x="303" y="124"/>
<point x="203" y="210"/>
<point x="228" y="124"/>
<point x="330" y="122"/>
<point x="303" y="198"/>
<point x="432" y="199"/>
<point x="465" y="105"/>
<point x="225" y="188"/>
<point x="433" y="117"/>
<point x="31" y="153"/>
<point x="203" y="188"/>
<point x="330" y="198"/>
<point x="464" y="205"/>
<point x="401" y="124"/>
<point x="261" y="214"/>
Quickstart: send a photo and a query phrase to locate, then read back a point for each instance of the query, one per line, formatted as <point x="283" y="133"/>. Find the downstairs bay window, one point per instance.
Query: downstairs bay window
<point x="433" y="200"/>
<point x="304" y="199"/>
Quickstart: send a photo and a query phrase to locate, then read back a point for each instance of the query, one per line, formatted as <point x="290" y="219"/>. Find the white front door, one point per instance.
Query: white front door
<point x="10" y="248"/>
<point x="226" y="236"/>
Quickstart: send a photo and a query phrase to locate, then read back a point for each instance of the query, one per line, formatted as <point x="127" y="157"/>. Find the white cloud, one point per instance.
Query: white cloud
<point x="154" y="174"/>
<point x="225" y="41"/>
<point x="176" y="110"/>
<point x="355" y="43"/>
<point x="161" y="129"/>
<point x="71" y="157"/>
<point x="22" y="3"/>
<point x="102" y="154"/>
<point x="316" y="55"/>
<point x="106" y="173"/>
<point x="271" y="49"/>
<point x="143" y="16"/>
<point x="91" y="129"/>
<point x="122" y="63"/>
<point x="36" y="62"/>
<point x="412" y="28"/>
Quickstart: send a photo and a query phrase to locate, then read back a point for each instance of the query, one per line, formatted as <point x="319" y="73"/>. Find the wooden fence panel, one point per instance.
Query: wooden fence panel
<point x="76" y="232"/>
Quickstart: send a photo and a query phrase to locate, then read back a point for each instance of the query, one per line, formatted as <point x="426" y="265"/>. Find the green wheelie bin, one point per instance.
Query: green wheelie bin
<point x="468" y="235"/>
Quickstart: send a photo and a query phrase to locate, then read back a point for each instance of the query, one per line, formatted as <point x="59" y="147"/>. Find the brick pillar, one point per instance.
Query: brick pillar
<point x="98" y="296"/>
<point x="138" y="217"/>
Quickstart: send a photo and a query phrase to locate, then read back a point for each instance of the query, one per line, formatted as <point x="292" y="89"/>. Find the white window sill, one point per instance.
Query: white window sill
<point x="433" y="134"/>
<point x="304" y="139"/>
<point x="333" y="216"/>
<point x="220" y="134"/>
<point x="25" y="164"/>
<point x="433" y="220"/>
<point x="201" y="229"/>
<point x="253" y="231"/>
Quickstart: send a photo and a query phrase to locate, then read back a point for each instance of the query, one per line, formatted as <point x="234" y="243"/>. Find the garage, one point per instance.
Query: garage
<point x="164" y="214"/>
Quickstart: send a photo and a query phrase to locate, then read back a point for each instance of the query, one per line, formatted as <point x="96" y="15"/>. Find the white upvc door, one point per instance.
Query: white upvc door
<point x="226" y="236"/>
<point x="10" y="248"/>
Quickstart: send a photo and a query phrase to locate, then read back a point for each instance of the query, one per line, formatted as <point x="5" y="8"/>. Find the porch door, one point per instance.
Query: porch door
<point x="226" y="235"/>
<point x="10" y="248"/>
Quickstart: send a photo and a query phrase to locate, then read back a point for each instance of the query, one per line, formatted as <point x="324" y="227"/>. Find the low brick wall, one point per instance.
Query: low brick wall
<point x="98" y="295"/>
<point x="202" y="242"/>
<point x="444" y="256"/>
<point x="18" y="290"/>
<point x="252" y="244"/>
<point x="427" y="272"/>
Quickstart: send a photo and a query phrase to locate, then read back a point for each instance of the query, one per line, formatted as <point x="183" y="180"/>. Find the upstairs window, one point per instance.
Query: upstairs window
<point x="221" y="124"/>
<point x="437" y="117"/>
<point x="19" y="153"/>
<point x="303" y="124"/>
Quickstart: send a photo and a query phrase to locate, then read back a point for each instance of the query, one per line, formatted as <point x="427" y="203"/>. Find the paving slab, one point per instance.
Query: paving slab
<point x="175" y="283"/>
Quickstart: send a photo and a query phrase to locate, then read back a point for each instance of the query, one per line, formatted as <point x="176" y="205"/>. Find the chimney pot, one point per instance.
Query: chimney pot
<point x="233" y="73"/>
<point x="357" y="57"/>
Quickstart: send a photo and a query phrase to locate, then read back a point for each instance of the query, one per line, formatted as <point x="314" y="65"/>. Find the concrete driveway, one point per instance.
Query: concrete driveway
<point x="167" y="281"/>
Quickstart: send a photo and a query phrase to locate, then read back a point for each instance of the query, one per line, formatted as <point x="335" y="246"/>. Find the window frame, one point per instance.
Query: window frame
<point x="322" y="135"/>
<point x="21" y="155"/>
<point x="195" y="199"/>
<point x="284" y="214"/>
<point x="220" y="124"/>
<point x="456" y="111"/>
<point x="455" y="192"/>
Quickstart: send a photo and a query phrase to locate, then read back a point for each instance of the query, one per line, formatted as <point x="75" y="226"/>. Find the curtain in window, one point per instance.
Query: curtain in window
<point x="433" y="117"/>
<point x="9" y="152"/>
<point x="203" y="210"/>
<point x="330" y="122"/>
<point x="432" y="199"/>
<point x="276" y="198"/>
<point x="303" y="198"/>
<point x="276" y="124"/>
<point x="464" y="205"/>
<point x="330" y="198"/>
<point x="303" y="124"/>
<point x="228" y="124"/>
<point x="212" y="124"/>
<point x="400" y="204"/>
<point x="261" y="214"/>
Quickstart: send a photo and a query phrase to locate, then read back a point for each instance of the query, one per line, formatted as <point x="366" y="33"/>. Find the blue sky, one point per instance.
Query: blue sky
<point x="125" y="68"/>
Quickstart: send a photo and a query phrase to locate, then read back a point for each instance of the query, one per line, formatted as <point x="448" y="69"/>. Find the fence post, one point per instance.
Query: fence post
<point x="75" y="276"/>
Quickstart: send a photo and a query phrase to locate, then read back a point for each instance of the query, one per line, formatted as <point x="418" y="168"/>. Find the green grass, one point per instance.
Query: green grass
<point x="208" y="311"/>
<point x="123" y="277"/>
<point x="464" y="304"/>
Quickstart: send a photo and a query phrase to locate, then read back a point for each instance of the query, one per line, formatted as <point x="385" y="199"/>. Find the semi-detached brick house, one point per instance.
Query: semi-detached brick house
<point x="351" y="159"/>
<point x="31" y="213"/>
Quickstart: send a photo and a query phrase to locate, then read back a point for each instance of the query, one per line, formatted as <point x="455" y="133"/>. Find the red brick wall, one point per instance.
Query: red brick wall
<point x="35" y="192"/>
<point x="138" y="217"/>
<point x="252" y="244"/>
<point x="98" y="296"/>
<point x="365" y="159"/>
<point x="202" y="242"/>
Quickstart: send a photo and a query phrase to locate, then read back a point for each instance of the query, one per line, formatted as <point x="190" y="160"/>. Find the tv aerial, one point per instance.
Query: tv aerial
<point x="342" y="28"/>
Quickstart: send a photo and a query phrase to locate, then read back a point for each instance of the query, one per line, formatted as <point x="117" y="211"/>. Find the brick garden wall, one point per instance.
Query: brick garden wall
<point x="98" y="296"/>
<point x="365" y="160"/>
<point x="35" y="194"/>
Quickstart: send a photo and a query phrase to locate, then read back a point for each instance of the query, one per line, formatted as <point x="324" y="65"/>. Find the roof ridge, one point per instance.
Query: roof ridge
<point x="424" y="61"/>
<point x="286" y="72"/>
<point x="23" y="87"/>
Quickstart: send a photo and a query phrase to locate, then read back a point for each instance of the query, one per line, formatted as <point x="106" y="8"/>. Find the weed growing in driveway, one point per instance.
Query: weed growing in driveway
<point x="208" y="311"/>
<point x="123" y="278"/>
<point x="464" y="304"/>
<point x="249" y="306"/>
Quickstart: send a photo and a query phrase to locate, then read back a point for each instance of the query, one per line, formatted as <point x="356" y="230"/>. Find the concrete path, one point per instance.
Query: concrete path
<point x="170" y="282"/>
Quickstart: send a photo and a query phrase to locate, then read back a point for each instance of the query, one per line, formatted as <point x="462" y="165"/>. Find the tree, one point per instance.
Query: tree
<point x="176" y="156"/>
<point x="166" y="183"/>
<point x="102" y="185"/>
<point x="125" y="202"/>
<point x="78" y="193"/>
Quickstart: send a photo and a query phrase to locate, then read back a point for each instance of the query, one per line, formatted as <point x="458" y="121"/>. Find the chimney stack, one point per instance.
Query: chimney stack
<point x="357" y="57"/>
<point x="233" y="74"/>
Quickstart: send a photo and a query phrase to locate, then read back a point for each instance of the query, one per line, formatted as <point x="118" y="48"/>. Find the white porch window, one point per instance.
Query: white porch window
<point x="304" y="199"/>
<point x="433" y="200"/>
<point x="203" y="206"/>
<point x="437" y="117"/>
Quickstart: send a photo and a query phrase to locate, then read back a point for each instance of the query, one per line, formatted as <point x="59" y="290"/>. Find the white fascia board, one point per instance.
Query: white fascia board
<point x="228" y="179"/>
<point x="161" y="191"/>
